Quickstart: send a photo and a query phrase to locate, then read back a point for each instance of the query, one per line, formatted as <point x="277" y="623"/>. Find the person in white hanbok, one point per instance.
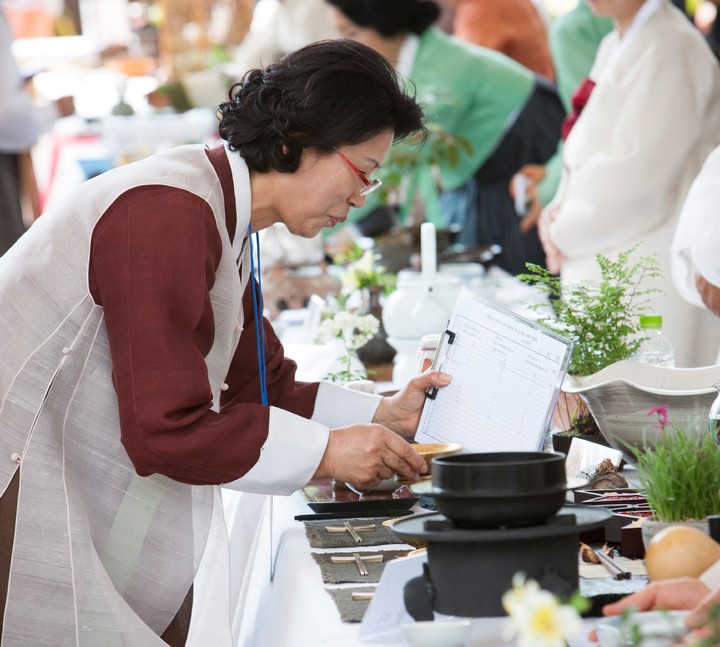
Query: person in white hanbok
<point x="652" y="119"/>
<point x="696" y="256"/>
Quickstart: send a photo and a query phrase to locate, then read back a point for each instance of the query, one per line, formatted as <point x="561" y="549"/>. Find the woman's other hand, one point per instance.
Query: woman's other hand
<point x="401" y="412"/>
<point x="533" y="174"/>
<point x="709" y="293"/>
<point x="677" y="594"/>
<point x="553" y="256"/>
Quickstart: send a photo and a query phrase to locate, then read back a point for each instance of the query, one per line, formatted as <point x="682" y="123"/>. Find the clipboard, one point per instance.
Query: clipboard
<point x="507" y="372"/>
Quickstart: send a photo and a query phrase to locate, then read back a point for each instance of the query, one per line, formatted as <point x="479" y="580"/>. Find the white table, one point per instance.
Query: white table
<point x="295" y="610"/>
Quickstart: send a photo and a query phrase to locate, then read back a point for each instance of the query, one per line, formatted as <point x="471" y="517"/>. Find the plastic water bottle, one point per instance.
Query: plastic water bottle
<point x="714" y="422"/>
<point x="656" y="348"/>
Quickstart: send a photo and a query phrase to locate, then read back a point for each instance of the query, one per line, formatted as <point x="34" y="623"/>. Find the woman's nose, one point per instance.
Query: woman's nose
<point x="356" y="199"/>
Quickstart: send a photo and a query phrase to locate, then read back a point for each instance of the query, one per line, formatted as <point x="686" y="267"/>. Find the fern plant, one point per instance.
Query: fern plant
<point x="602" y="319"/>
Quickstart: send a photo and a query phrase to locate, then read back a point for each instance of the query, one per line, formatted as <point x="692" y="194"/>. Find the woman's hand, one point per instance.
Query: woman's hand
<point x="677" y="594"/>
<point x="365" y="454"/>
<point x="698" y="618"/>
<point x="709" y="293"/>
<point x="401" y="412"/>
<point x="553" y="256"/>
<point x="533" y="174"/>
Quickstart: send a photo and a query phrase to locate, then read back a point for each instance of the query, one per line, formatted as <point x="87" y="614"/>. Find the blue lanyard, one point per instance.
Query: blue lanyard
<point x="256" y="287"/>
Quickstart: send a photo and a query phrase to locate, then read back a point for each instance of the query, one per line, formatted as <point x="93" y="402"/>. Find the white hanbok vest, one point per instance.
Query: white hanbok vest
<point x="101" y="556"/>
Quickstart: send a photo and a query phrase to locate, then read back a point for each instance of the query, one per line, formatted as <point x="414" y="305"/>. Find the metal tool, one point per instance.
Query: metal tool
<point x="617" y="571"/>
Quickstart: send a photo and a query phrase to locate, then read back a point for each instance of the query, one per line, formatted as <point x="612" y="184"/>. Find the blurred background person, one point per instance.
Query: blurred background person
<point x="508" y="115"/>
<point x="574" y="41"/>
<point x="652" y="117"/>
<point x="696" y="261"/>
<point x="33" y="18"/>
<point x="21" y="121"/>
<point x="513" y="27"/>
<point x="281" y="26"/>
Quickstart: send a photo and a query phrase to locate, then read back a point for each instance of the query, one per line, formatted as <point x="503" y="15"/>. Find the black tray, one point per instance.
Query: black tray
<point x="326" y="496"/>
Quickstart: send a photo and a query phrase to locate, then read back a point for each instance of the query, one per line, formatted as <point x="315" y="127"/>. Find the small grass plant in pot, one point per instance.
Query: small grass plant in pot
<point x="600" y="318"/>
<point x="680" y="475"/>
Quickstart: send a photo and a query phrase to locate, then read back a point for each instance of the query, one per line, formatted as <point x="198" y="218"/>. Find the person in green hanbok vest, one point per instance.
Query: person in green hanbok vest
<point x="507" y="116"/>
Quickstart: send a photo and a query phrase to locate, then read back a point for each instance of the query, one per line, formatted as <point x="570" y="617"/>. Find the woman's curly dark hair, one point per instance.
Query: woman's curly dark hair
<point x="390" y="17"/>
<point x="327" y="94"/>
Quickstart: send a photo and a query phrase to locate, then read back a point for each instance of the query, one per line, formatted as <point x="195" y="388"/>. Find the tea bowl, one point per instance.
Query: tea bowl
<point x="437" y="633"/>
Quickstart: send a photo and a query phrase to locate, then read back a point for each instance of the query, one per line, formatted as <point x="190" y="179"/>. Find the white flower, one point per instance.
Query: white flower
<point x="536" y="617"/>
<point x="362" y="272"/>
<point x="365" y="265"/>
<point x="349" y="282"/>
<point x="352" y="329"/>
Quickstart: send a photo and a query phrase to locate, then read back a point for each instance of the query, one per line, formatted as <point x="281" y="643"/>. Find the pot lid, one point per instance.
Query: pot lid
<point x="435" y="527"/>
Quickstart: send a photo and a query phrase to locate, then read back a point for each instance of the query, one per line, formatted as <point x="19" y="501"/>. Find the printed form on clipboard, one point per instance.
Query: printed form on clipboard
<point x="506" y="376"/>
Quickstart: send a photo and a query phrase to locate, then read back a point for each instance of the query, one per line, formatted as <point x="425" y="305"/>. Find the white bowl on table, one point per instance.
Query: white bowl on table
<point x="437" y="633"/>
<point x="621" y="395"/>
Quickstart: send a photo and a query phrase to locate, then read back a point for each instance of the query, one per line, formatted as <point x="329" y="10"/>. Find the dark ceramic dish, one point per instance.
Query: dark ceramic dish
<point x="490" y="490"/>
<point x="495" y="473"/>
<point x="510" y="510"/>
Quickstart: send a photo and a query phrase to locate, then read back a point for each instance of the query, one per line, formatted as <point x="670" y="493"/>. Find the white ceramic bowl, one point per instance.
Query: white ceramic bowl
<point x="437" y="633"/>
<point x="621" y="395"/>
<point x="657" y="629"/>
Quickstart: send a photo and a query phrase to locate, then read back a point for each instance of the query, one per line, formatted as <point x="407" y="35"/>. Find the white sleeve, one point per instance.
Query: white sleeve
<point x="288" y="459"/>
<point x="695" y="246"/>
<point x="337" y="406"/>
<point x="295" y="446"/>
<point x="711" y="577"/>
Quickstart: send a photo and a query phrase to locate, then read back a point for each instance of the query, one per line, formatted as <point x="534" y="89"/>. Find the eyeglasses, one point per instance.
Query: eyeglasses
<point x="368" y="185"/>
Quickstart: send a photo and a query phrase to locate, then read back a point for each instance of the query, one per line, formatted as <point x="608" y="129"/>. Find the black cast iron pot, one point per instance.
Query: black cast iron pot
<point x="494" y="489"/>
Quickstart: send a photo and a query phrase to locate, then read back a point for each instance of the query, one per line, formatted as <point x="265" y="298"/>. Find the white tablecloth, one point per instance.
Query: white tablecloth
<point x="295" y="610"/>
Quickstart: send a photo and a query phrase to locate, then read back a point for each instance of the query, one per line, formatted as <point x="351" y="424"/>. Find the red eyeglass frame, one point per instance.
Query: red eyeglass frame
<point x="368" y="185"/>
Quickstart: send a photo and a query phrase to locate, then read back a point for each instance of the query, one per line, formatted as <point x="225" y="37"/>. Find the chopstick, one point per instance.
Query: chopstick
<point x="346" y="559"/>
<point x="617" y="571"/>
<point x="356" y="538"/>
<point x="362" y="595"/>
<point x="360" y="564"/>
<point x="366" y="528"/>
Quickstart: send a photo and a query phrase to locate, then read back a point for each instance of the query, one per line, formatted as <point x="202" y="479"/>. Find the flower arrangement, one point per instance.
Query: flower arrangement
<point x="353" y="331"/>
<point x="537" y="618"/>
<point x="680" y="474"/>
<point x="362" y="270"/>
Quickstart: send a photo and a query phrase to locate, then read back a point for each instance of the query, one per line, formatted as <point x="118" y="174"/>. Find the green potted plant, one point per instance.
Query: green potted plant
<point x="601" y="319"/>
<point x="680" y="475"/>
